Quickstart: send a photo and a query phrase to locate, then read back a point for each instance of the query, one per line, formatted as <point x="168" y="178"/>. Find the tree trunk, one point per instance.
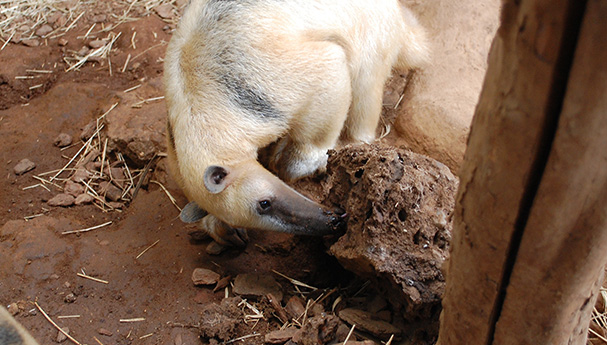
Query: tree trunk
<point x="530" y="237"/>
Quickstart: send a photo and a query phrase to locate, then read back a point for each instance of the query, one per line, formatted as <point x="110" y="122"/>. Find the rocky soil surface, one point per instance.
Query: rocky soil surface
<point x="89" y="228"/>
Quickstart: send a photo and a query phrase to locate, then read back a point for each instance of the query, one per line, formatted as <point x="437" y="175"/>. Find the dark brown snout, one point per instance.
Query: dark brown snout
<point x="337" y="219"/>
<point x="297" y="214"/>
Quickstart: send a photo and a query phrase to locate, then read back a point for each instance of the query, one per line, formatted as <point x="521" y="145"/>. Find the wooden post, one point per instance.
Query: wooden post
<point x="530" y="235"/>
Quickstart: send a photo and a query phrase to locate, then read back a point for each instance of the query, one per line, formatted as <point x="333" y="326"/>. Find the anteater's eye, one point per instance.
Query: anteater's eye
<point x="264" y="205"/>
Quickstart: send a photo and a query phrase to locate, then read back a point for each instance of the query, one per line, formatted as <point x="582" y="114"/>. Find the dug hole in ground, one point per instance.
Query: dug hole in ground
<point x="89" y="233"/>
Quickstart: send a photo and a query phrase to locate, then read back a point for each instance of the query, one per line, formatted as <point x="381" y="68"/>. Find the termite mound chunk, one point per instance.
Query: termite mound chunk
<point x="399" y="207"/>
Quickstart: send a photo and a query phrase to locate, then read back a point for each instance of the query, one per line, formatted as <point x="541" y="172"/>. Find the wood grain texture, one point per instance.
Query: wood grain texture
<point x="515" y="172"/>
<point x="564" y="246"/>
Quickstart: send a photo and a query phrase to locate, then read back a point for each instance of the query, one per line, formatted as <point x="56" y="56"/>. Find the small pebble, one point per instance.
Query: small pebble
<point x="81" y="175"/>
<point x="178" y="340"/>
<point x="83" y="52"/>
<point x="96" y="44"/>
<point x="165" y="11"/>
<point x="116" y="204"/>
<point x="31" y="42"/>
<point x="62" y="199"/>
<point x="99" y="18"/>
<point x="222" y="283"/>
<point x="253" y="285"/>
<point x="110" y="191"/>
<point x="63" y="140"/>
<point x="70" y="298"/>
<point x="62" y="42"/>
<point x="280" y="336"/>
<point x="53" y="18"/>
<point x="62" y="337"/>
<point x="84" y="199"/>
<point x="203" y="276"/>
<point x="117" y="174"/>
<point x="13" y="309"/>
<point x="44" y="30"/>
<point x="295" y="307"/>
<point x="73" y="188"/>
<point x="93" y="166"/>
<point x="89" y="158"/>
<point x="105" y="332"/>
<point x="134" y="66"/>
<point x="24" y="166"/>
<point x="90" y="127"/>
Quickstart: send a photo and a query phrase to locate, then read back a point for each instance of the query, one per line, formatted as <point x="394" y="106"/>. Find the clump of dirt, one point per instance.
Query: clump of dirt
<point x="220" y="320"/>
<point x="264" y="319"/>
<point x="399" y="205"/>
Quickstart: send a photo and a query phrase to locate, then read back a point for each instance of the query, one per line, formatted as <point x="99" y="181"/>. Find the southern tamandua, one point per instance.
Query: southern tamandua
<point x="242" y="74"/>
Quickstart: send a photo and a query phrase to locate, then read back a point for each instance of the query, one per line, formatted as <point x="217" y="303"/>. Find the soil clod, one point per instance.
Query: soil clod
<point x="72" y="188"/>
<point x="398" y="227"/>
<point x="105" y="332"/>
<point x="60" y="336"/>
<point x="83" y="199"/>
<point x="70" y="298"/>
<point x="24" y="166"/>
<point x="63" y="140"/>
<point x="256" y="286"/>
<point x="203" y="276"/>
<point x="44" y="30"/>
<point x="280" y="336"/>
<point x="64" y="200"/>
<point x="367" y="322"/>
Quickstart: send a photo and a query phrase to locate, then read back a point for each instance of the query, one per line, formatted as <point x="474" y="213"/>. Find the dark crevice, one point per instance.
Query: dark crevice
<point x="571" y="30"/>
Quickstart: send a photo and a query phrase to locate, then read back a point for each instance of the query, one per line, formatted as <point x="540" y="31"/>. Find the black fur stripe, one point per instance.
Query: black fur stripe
<point x="171" y="135"/>
<point x="9" y="335"/>
<point x="245" y="95"/>
<point x="252" y="100"/>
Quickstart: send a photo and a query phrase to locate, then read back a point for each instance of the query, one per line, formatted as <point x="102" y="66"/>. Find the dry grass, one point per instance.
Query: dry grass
<point x="35" y="21"/>
<point x="19" y="19"/>
<point x="98" y="166"/>
<point x="597" y="334"/>
<point x="22" y="20"/>
<point x="26" y="16"/>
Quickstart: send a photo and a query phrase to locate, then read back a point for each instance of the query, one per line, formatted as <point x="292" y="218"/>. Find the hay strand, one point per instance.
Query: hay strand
<point x="55" y="325"/>
<point x="82" y="275"/>
<point x="87" y="229"/>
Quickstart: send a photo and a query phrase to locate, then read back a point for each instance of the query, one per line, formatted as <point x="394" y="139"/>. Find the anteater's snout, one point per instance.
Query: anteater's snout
<point x="337" y="219"/>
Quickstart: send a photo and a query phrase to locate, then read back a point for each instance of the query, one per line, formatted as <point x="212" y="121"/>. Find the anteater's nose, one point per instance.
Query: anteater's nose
<point x="337" y="219"/>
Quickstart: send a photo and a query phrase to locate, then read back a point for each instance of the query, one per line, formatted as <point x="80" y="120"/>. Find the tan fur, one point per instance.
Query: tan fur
<point x="317" y="68"/>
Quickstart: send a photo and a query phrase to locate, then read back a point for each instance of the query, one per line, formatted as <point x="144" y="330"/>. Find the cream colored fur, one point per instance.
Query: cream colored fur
<point x="321" y="65"/>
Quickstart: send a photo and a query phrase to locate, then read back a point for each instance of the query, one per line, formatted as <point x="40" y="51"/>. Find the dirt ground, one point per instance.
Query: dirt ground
<point x="144" y="259"/>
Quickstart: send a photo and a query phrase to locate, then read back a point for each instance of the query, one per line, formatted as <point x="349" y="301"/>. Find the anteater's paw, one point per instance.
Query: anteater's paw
<point x="293" y="163"/>
<point x="224" y="234"/>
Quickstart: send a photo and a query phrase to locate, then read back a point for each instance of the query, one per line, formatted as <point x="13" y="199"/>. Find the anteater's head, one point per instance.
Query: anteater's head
<point x="249" y="196"/>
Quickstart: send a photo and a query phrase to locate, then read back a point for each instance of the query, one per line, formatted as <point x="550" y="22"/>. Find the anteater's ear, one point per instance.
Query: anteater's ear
<point x="217" y="178"/>
<point x="192" y="213"/>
